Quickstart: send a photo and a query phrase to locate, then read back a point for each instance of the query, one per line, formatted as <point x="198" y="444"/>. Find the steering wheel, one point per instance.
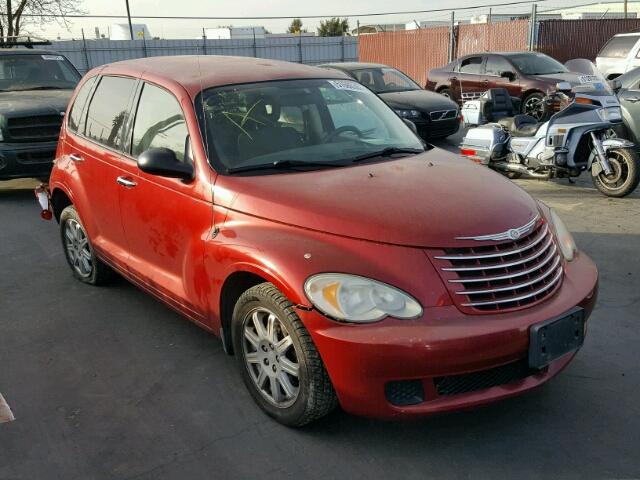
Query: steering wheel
<point x="341" y="130"/>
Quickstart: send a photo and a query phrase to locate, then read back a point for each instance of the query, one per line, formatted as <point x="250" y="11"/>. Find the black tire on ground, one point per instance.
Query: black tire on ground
<point x="73" y="236"/>
<point x="626" y="174"/>
<point x="315" y="395"/>
<point x="533" y="105"/>
<point x="445" y="92"/>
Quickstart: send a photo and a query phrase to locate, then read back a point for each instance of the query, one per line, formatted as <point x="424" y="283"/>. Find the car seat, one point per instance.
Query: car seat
<point x="498" y="107"/>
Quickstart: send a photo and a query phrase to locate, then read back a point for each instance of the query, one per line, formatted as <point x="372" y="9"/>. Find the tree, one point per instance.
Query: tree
<point x="333" y="27"/>
<point x="16" y="15"/>
<point x="296" y="27"/>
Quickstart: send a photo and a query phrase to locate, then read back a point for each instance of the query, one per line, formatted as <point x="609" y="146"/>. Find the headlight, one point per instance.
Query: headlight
<point x="408" y="113"/>
<point x="358" y="299"/>
<point x="567" y="244"/>
<point x="610" y="114"/>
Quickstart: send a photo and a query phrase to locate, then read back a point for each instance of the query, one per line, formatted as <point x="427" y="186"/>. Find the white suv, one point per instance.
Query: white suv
<point x="619" y="55"/>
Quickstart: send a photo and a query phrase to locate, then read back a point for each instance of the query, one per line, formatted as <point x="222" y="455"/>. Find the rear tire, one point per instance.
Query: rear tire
<point x="278" y="360"/>
<point x="78" y="251"/>
<point x="625" y="177"/>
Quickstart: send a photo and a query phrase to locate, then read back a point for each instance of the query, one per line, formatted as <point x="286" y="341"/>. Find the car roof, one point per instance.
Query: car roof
<point x="26" y="51"/>
<point x="354" y="65"/>
<point x="197" y="72"/>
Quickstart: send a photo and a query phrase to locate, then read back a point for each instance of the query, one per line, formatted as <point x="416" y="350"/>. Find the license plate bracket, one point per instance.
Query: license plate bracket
<point x="555" y="337"/>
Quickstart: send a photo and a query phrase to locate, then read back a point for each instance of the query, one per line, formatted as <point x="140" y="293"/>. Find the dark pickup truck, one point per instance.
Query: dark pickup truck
<point x="35" y="87"/>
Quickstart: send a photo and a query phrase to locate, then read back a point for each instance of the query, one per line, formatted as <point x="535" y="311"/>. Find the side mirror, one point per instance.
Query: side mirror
<point x="508" y="75"/>
<point x="563" y="87"/>
<point x="164" y="163"/>
<point x="411" y="125"/>
<point x="616" y="85"/>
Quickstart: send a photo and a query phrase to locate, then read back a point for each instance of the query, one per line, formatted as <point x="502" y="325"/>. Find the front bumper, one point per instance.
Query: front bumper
<point x="25" y="160"/>
<point x="434" y="130"/>
<point x="362" y="360"/>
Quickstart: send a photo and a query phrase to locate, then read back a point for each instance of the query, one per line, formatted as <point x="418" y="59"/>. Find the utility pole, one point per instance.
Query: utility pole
<point x="532" y="27"/>
<point x="452" y="31"/>
<point x="129" y="17"/>
<point x="625" y="9"/>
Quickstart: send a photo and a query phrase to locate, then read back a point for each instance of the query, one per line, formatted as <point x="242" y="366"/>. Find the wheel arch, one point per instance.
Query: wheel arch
<point x="60" y="199"/>
<point x="241" y="278"/>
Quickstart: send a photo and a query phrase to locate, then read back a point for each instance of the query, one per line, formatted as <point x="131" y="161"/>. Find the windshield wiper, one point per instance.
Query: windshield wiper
<point x="283" y="165"/>
<point x="386" y="152"/>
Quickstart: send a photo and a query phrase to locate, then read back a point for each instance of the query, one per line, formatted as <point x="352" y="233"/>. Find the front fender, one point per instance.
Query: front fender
<point x="610" y="144"/>
<point x="286" y="256"/>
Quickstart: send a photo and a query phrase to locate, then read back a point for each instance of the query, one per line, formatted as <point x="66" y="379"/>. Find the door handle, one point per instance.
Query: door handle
<point x="126" y="182"/>
<point x="75" y="157"/>
<point x="632" y="99"/>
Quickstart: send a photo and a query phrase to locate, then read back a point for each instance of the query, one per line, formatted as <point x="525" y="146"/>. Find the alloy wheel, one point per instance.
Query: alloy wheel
<point x="78" y="248"/>
<point x="270" y="357"/>
<point x="535" y="107"/>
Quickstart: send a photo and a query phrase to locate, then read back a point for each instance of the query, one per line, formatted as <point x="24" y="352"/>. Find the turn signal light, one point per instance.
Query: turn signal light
<point x="467" y="152"/>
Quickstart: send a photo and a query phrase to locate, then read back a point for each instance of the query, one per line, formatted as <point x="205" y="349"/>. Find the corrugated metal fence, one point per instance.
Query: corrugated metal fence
<point x="567" y="39"/>
<point x="416" y="51"/>
<point x="311" y="50"/>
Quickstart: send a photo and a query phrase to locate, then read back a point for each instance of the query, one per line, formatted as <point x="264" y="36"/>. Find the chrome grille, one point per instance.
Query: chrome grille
<point x="504" y="275"/>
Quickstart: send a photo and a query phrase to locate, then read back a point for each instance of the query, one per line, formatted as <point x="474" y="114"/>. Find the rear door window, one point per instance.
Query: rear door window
<point x="618" y="47"/>
<point x="108" y="113"/>
<point x="159" y="123"/>
<point x="75" y="115"/>
<point x="471" y="65"/>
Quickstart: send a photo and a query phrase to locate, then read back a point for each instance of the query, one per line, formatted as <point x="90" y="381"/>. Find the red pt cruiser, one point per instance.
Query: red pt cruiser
<point x="288" y="210"/>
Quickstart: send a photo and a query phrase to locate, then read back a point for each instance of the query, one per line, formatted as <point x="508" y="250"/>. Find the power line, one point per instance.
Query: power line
<point x="376" y="14"/>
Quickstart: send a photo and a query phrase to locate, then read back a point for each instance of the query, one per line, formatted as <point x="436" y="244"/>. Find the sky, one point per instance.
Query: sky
<point x="245" y="8"/>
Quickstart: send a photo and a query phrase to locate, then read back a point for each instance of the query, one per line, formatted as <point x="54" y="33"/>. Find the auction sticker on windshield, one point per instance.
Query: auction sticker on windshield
<point x="347" y="85"/>
<point x="59" y="58"/>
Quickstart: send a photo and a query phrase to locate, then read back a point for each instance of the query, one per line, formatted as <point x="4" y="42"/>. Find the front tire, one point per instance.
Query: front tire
<point x="278" y="360"/>
<point x="625" y="177"/>
<point x="78" y="251"/>
<point x="533" y="104"/>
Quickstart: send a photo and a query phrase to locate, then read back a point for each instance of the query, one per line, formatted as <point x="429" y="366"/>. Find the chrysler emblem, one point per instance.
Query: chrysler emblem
<point x="514" y="234"/>
<point x="511" y="234"/>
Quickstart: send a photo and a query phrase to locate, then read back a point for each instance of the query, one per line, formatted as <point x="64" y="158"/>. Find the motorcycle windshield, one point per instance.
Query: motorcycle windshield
<point x="591" y="81"/>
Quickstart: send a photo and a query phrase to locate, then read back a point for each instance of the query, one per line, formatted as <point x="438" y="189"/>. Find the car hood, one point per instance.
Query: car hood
<point x="571" y="77"/>
<point x="34" y="102"/>
<point x="426" y="200"/>
<point x="418" y="99"/>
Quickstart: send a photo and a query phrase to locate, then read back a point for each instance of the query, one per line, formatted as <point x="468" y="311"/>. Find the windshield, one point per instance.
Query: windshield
<point x="382" y="80"/>
<point x="319" y="122"/>
<point x="618" y="47"/>
<point x="536" y="64"/>
<point x="36" y="72"/>
<point x="590" y="81"/>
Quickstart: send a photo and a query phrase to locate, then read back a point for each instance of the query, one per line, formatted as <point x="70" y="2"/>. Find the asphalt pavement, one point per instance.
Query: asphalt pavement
<point x="108" y="383"/>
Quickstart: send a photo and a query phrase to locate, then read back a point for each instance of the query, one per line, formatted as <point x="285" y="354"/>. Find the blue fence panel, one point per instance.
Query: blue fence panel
<point x="86" y="54"/>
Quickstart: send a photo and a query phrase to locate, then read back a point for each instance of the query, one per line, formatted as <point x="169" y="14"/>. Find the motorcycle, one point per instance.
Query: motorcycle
<point x="579" y="135"/>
